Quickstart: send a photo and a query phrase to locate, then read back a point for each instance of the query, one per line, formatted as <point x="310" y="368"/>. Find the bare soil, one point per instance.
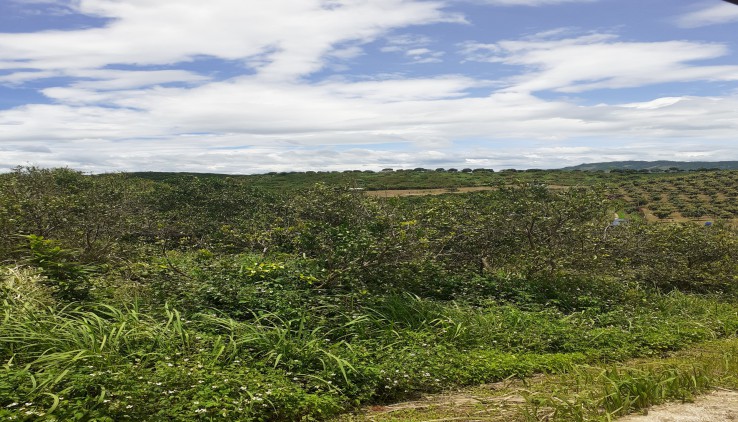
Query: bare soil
<point x="440" y="191"/>
<point x="499" y="402"/>
<point x="415" y="192"/>
<point x="718" y="406"/>
<point x="502" y="402"/>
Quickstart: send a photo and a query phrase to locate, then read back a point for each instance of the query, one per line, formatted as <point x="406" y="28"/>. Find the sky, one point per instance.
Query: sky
<point x="253" y="86"/>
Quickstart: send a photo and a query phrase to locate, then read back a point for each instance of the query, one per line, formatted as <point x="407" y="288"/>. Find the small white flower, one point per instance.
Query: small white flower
<point x="12" y="404"/>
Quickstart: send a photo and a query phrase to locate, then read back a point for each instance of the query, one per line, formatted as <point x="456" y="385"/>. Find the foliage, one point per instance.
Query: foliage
<point x="684" y="256"/>
<point x="68" y="279"/>
<point x="187" y="297"/>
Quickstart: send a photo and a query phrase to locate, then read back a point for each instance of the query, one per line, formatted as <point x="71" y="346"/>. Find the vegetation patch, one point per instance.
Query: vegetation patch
<point x="206" y="298"/>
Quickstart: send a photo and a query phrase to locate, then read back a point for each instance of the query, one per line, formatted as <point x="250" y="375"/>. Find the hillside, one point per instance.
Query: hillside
<point x="657" y="165"/>
<point x="197" y="298"/>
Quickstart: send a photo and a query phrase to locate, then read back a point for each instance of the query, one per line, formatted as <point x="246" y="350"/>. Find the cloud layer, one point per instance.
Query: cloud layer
<point x="599" y="61"/>
<point x="710" y="14"/>
<point x="142" y="93"/>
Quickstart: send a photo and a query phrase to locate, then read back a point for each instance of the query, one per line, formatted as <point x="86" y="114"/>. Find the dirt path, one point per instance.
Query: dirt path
<point x="538" y="397"/>
<point x="502" y="402"/>
<point x="498" y="401"/>
<point x="440" y="191"/>
<point x="718" y="406"/>
<point x="434" y="191"/>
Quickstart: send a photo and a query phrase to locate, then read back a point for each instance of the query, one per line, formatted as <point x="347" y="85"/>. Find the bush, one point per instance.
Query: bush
<point x="68" y="279"/>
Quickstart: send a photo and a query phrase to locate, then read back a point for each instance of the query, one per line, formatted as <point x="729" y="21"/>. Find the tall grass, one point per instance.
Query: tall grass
<point x="49" y="340"/>
<point x="99" y="332"/>
<point x="590" y="393"/>
<point x="282" y="343"/>
<point x="333" y="357"/>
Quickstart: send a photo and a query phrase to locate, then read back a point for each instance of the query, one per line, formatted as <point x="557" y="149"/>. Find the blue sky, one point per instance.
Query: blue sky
<point x="247" y="86"/>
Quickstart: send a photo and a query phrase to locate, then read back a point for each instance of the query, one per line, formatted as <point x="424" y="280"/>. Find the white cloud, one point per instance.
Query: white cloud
<point x="713" y="14"/>
<point x="291" y="38"/>
<point x="394" y="90"/>
<point x="107" y="79"/>
<point x="158" y="116"/>
<point x="654" y="104"/>
<point x="247" y="125"/>
<point x="424" y="55"/>
<point x="602" y="61"/>
<point x="527" y="2"/>
<point x="413" y="47"/>
<point x="404" y="41"/>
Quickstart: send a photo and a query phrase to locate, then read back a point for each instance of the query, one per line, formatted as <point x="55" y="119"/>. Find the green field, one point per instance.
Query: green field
<point x="299" y="296"/>
<point x="669" y="195"/>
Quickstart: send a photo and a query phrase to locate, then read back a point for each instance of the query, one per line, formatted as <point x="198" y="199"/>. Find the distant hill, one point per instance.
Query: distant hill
<point x="657" y="165"/>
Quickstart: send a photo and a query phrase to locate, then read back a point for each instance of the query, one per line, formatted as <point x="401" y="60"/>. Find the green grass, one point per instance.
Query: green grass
<point x="104" y="362"/>
<point x="218" y="298"/>
<point x="590" y="392"/>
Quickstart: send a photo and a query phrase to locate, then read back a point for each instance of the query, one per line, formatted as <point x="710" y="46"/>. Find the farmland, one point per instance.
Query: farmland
<point x="281" y="297"/>
<point x="657" y="196"/>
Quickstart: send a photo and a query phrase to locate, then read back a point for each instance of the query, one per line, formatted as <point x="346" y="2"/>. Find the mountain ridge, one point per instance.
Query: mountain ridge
<point x="660" y="165"/>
